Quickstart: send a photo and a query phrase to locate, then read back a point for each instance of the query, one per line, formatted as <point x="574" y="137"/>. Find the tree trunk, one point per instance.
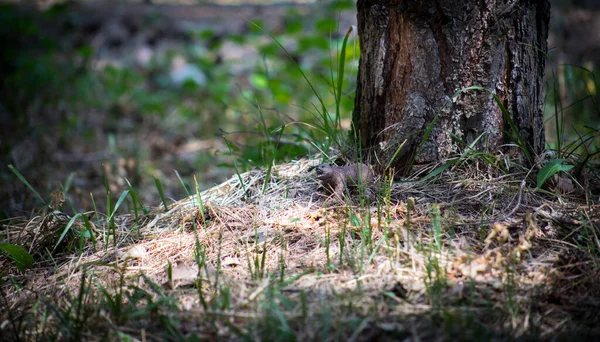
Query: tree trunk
<point x="416" y="54"/>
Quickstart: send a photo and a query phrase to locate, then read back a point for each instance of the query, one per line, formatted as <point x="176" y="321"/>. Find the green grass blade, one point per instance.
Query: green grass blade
<point x="267" y="178"/>
<point x="200" y="204"/>
<point x="68" y="183"/>
<point x="161" y="193"/>
<point x="66" y="230"/>
<point x="107" y="188"/>
<point x="20" y="176"/>
<point x="439" y="169"/>
<point x="387" y="166"/>
<point x="88" y="227"/>
<point x="557" y="117"/>
<point x="182" y="184"/>
<point x="136" y="197"/>
<point x="340" y="80"/>
<point x="237" y="171"/>
<point x="423" y="139"/>
<point x="95" y="209"/>
<point x="118" y="204"/>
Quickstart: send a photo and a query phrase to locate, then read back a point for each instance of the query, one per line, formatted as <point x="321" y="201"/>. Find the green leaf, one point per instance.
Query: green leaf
<point x="326" y="25"/>
<point x="206" y="34"/>
<point x="85" y="51"/>
<point x="317" y="42"/>
<point x="550" y="169"/>
<point x="294" y="26"/>
<point x="20" y="256"/>
<point x="66" y="230"/>
<point x="259" y="81"/>
<point x="237" y="38"/>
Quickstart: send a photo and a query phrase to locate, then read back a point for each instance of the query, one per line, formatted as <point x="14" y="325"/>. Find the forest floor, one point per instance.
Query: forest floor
<point x="472" y="254"/>
<point x="469" y="255"/>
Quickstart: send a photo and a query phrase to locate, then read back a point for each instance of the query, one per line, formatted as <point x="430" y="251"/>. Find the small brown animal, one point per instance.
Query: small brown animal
<point x="336" y="179"/>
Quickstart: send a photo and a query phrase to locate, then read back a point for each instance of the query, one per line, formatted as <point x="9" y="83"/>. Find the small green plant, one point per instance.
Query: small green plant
<point x="200" y="259"/>
<point x="325" y="128"/>
<point x="436" y="224"/>
<point x="553" y="167"/>
<point x="573" y="101"/>
<point x="237" y="171"/>
<point x="139" y="209"/>
<point x="510" y="288"/>
<point x="256" y="264"/>
<point x="435" y="280"/>
<point x="21" y="258"/>
<point x="435" y="276"/>
<point x="274" y="326"/>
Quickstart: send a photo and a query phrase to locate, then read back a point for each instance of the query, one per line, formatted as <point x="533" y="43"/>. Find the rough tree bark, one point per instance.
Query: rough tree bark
<point x="415" y="54"/>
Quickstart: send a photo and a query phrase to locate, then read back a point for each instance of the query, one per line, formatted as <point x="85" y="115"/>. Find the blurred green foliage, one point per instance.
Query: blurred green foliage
<point x="572" y="111"/>
<point x="59" y="86"/>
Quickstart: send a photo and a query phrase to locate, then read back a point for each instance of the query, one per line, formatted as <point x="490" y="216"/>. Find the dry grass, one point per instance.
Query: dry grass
<point x="470" y="255"/>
